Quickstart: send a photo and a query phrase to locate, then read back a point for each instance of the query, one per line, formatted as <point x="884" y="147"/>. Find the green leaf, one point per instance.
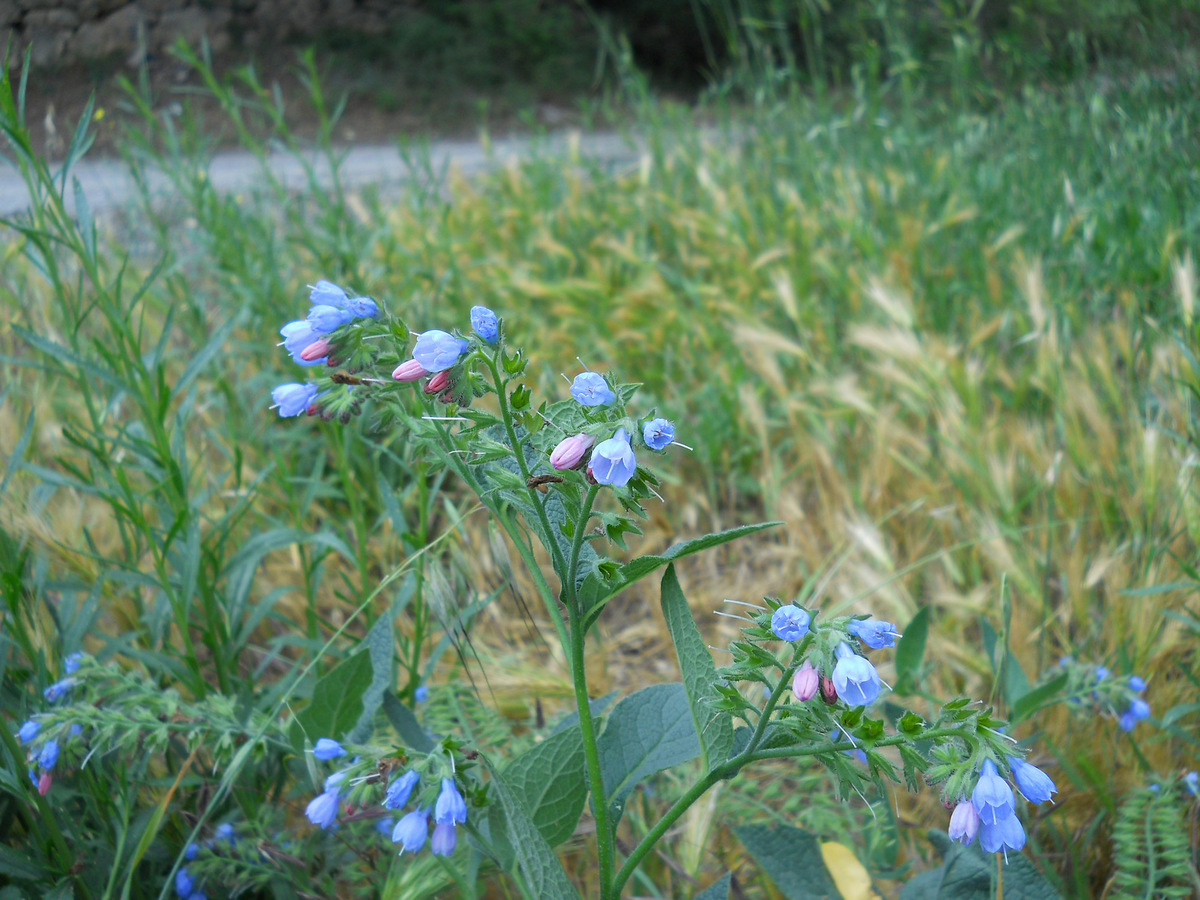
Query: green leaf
<point x="1038" y="698"/>
<point x="1016" y="684"/>
<point x="647" y="732"/>
<point x="406" y="724"/>
<point x="337" y="700"/>
<point x="792" y="858"/>
<point x="20" y="866"/>
<point x="380" y="650"/>
<point x="594" y="593"/>
<point x="540" y="869"/>
<point x="699" y="674"/>
<point x="969" y="874"/>
<point x="910" y="652"/>
<point x="718" y="890"/>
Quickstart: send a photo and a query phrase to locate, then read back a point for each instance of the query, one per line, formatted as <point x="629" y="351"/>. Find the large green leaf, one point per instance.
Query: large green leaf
<point x="910" y="652"/>
<point x="699" y="674"/>
<point x="336" y="700"/>
<point x="380" y="650"/>
<point x="647" y="732"/>
<point x="595" y="592"/>
<point x="792" y="858"/>
<point x="406" y="724"/>
<point x="1038" y="698"/>
<point x="969" y="874"/>
<point x="718" y="890"/>
<point x="540" y="869"/>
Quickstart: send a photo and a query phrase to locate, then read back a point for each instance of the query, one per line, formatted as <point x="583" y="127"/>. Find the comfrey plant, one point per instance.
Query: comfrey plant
<point x="573" y="475"/>
<point x="1093" y="689"/>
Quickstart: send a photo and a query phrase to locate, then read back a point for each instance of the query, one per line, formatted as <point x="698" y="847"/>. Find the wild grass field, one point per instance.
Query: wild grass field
<point x="952" y="347"/>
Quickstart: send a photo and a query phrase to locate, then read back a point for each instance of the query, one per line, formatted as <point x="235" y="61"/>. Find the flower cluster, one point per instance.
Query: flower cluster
<point x="312" y="340"/>
<point x="437" y="353"/>
<point x="45" y="746"/>
<point x="990" y="812"/>
<point x="1118" y="696"/>
<point x="323" y="809"/>
<point x="848" y="676"/>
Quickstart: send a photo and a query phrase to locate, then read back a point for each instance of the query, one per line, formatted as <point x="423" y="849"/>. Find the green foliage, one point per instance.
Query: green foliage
<point x="1154" y="856"/>
<point x="968" y="874"/>
<point x="792" y="858"/>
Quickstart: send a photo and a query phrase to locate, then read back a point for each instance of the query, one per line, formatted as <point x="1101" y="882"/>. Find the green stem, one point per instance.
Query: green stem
<point x="577" y="543"/>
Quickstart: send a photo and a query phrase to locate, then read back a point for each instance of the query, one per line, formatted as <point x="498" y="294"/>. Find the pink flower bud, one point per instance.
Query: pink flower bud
<point x="804" y="685"/>
<point x="571" y="451"/>
<point x="409" y="371"/>
<point x="437" y="383"/>
<point x="44" y="784"/>
<point x="828" y="691"/>
<point x="315" y="350"/>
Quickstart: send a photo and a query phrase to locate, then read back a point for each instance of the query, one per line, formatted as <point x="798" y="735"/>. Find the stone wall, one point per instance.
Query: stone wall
<point x="62" y="32"/>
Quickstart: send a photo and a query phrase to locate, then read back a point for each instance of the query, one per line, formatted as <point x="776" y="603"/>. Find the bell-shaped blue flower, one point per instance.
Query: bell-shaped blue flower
<point x="58" y="689"/>
<point x="444" y="839"/>
<point x="790" y="622"/>
<point x="1136" y="684"/>
<point x="485" y="323"/>
<point x="328" y="319"/>
<point x="323" y="809"/>
<point x="400" y="790"/>
<point x="48" y="757"/>
<point x="362" y="307"/>
<point x="326" y="293"/>
<point x="1139" y="709"/>
<point x="299" y="336"/>
<point x="1007" y="834"/>
<point x="29" y="731"/>
<point x="612" y="461"/>
<point x="192" y="851"/>
<point x="72" y="663"/>
<point x="964" y="823"/>
<point x="1127" y="722"/>
<point x="437" y="351"/>
<point x="874" y="633"/>
<point x="411" y="831"/>
<point x="184" y="885"/>
<point x="451" y="807"/>
<point x="326" y="748"/>
<point x="993" y="798"/>
<point x="1034" y="784"/>
<point x="293" y="399"/>
<point x="854" y="678"/>
<point x="658" y="434"/>
<point x="1191" y="782"/>
<point x="590" y="389"/>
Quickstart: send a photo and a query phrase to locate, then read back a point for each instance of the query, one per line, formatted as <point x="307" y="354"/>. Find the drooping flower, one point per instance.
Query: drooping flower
<point x="1101" y="673"/>
<point x="298" y="337"/>
<point x="1007" y="834"/>
<point x="362" y="307"/>
<point x="184" y="885"/>
<point x="328" y="294"/>
<point x="385" y="825"/>
<point x="1034" y="784"/>
<point x="1127" y="722"/>
<point x="805" y="682"/>
<point x="874" y="633"/>
<point x="445" y="839"/>
<point x="658" y="434"/>
<point x="409" y="371"/>
<point x="590" y="389"/>
<point x="1192" y="781"/>
<point x="421" y="694"/>
<point x="411" y="831"/>
<point x="964" y="823"/>
<point x="993" y="798"/>
<point x="451" y="807"/>
<point x="224" y="831"/>
<point x="326" y="748"/>
<point x="1139" y="708"/>
<point x="437" y="350"/>
<point x="790" y="622"/>
<point x="192" y="851"/>
<point x="571" y="451"/>
<point x="1136" y="684"/>
<point x="58" y="689"/>
<point x="484" y="321"/>
<point x="328" y="319"/>
<point x="293" y="399"/>
<point x="334" y="780"/>
<point x="855" y="678"/>
<point x="322" y="810"/>
<point x="400" y="790"/>
<point x="613" y="461"/>
<point x="29" y="731"/>
<point x="437" y="383"/>
<point x="49" y="755"/>
<point x="73" y="662"/>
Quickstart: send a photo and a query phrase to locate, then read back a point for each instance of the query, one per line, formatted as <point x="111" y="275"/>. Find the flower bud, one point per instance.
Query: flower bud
<point x="409" y="371"/>
<point x="44" y="784"/>
<point x="315" y="350"/>
<point x="571" y="452"/>
<point x="804" y="684"/>
<point x="437" y="383"/>
<point x="828" y="691"/>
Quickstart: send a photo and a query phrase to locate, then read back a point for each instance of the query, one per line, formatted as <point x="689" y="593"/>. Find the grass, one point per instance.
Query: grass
<point x="953" y="349"/>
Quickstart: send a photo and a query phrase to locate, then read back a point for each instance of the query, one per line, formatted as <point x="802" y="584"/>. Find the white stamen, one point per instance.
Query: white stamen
<point x="744" y="603"/>
<point x="677" y="444"/>
<point x="445" y="419"/>
<point x="718" y="612"/>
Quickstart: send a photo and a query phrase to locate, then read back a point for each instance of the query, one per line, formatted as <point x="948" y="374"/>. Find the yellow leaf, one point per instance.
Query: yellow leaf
<point x="852" y="880"/>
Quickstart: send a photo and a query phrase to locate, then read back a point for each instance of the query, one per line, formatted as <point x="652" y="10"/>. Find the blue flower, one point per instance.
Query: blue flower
<point x="192" y="851"/>
<point x="49" y="755"/>
<point x="437" y="351"/>
<point x="328" y="319"/>
<point x="411" y="831"/>
<point x="58" y="689"/>
<point x="334" y="780"/>
<point x="1031" y="781"/>
<point x="297" y="336"/>
<point x="323" y="809"/>
<point x="1127" y="722"/>
<point x="72" y="663"/>
<point x="1139" y="709"/>
<point x="224" y="831"/>
<point x="658" y="434"/>
<point x="855" y="679"/>
<point x="1006" y="834"/>
<point x="400" y="790"/>
<point x="483" y="320"/>
<point x="874" y="633"/>
<point x="362" y="307"/>
<point x="421" y="694"/>
<point x="328" y="749"/>
<point x="993" y="798"/>
<point x="327" y="293"/>
<point x="1101" y="673"/>
<point x="29" y="731"/>
<point x="591" y="389"/>
<point x="384" y="826"/>
<point x="184" y="885"/>
<point x="293" y="399"/>
<point x="1192" y="781"/>
<point x="1136" y="684"/>
<point x="613" y="461"/>
<point x="964" y="823"/>
<point x="451" y="807"/>
<point x="790" y="623"/>
<point x="444" y="839"/>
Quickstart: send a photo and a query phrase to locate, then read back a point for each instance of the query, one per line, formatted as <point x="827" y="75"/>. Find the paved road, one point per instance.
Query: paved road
<point x="106" y="183"/>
